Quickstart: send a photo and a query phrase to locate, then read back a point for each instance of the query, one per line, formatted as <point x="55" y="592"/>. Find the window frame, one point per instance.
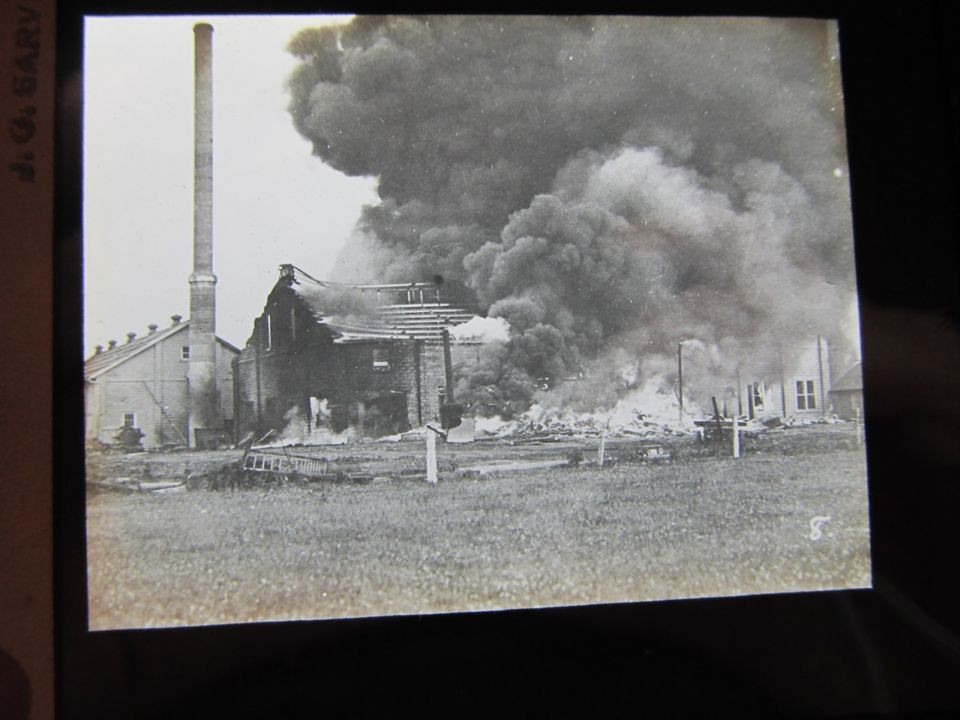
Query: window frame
<point x="380" y="359"/>
<point x="806" y="394"/>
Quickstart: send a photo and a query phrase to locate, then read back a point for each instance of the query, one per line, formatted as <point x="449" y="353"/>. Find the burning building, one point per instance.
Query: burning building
<point x="798" y="384"/>
<point x="607" y="186"/>
<point x="327" y="357"/>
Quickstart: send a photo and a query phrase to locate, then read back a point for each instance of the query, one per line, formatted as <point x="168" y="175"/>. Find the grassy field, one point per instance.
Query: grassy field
<point x="695" y="526"/>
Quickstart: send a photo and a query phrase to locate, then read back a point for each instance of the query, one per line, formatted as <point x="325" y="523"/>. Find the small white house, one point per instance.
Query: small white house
<point x="798" y="385"/>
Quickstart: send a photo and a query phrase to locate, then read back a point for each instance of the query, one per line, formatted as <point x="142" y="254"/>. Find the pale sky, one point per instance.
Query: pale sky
<point x="274" y="202"/>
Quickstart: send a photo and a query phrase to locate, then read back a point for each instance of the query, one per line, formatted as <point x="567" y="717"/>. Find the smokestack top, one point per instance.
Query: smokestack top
<point x="176" y="319"/>
<point x="203" y="28"/>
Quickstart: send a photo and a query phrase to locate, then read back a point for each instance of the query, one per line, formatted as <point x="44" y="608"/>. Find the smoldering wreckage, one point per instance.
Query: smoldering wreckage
<point x="611" y="270"/>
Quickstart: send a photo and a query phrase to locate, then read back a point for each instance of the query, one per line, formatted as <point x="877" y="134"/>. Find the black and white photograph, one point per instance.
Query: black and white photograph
<point x="410" y="315"/>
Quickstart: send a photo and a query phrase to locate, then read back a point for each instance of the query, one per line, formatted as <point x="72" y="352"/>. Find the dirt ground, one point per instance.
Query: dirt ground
<point x="790" y="515"/>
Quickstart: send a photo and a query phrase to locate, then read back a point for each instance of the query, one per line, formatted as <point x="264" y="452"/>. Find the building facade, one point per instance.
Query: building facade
<point x="324" y="357"/>
<point x="797" y="384"/>
<point x="144" y="384"/>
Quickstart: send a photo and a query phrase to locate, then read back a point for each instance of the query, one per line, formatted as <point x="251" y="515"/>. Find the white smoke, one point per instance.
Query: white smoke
<point x="484" y="329"/>
<point x="298" y="431"/>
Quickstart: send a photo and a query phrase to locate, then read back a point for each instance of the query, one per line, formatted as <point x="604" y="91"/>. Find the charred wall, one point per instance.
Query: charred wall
<point x="370" y="385"/>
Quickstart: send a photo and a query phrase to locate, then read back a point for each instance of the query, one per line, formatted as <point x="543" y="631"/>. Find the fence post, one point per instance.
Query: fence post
<point x="736" y="436"/>
<point x="431" y="456"/>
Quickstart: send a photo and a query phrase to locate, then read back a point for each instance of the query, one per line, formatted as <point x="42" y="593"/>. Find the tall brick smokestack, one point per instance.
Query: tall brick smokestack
<point x="202" y="372"/>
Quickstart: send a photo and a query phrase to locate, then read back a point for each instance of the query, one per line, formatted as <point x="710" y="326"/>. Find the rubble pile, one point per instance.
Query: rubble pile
<point x="773" y="422"/>
<point x="540" y="425"/>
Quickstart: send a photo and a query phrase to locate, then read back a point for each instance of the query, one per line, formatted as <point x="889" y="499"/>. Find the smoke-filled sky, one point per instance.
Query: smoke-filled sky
<point x="606" y="185"/>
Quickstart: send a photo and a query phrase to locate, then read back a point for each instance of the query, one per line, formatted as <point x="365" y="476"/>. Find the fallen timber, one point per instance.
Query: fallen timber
<point x="263" y="461"/>
<point x="719" y="430"/>
<point x="266" y="465"/>
<point x="283" y="465"/>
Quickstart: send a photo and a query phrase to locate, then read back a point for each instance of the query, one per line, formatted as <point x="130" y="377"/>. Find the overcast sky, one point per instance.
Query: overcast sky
<point x="273" y="201"/>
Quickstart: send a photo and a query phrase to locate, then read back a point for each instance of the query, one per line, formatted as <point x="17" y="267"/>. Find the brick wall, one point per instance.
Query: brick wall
<point x="297" y="366"/>
<point x="225" y="358"/>
<point x="297" y="360"/>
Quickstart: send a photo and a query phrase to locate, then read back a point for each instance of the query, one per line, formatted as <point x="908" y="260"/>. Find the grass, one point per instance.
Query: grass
<point x="572" y="535"/>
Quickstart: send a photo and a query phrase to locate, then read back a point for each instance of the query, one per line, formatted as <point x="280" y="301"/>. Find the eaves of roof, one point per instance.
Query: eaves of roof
<point x="106" y="361"/>
<point x="852" y="379"/>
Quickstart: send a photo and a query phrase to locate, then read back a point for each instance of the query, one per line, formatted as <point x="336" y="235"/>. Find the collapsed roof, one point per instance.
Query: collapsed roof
<point x="375" y="313"/>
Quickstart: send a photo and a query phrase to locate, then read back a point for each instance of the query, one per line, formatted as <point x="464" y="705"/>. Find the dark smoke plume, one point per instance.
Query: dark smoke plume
<point x="608" y="186"/>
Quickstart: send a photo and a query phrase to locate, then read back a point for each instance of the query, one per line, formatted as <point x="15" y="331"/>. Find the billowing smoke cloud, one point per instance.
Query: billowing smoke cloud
<point x="609" y="187"/>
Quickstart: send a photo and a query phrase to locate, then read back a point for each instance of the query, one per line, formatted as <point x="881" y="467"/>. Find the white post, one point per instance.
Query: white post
<point x="736" y="436"/>
<point x="601" y="451"/>
<point x="857" y="421"/>
<point x="431" y="456"/>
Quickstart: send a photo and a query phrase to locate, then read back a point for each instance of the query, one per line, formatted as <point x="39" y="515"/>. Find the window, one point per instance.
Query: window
<point x="268" y="337"/>
<point x="129" y="420"/>
<point x="185" y="352"/>
<point x="806" y="395"/>
<point x="381" y="359"/>
<point x="758" y="396"/>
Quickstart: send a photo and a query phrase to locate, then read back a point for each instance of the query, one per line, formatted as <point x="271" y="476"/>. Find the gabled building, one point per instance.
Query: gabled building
<point x="332" y="356"/>
<point x="798" y="386"/>
<point x="846" y="395"/>
<point x="144" y="384"/>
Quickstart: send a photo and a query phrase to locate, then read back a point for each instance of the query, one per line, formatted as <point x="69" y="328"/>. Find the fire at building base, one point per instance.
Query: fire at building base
<point x="327" y="358"/>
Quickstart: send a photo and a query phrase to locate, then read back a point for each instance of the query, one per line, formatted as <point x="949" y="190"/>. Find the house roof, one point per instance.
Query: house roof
<point x="97" y="365"/>
<point x="852" y="379"/>
<point x="417" y="319"/>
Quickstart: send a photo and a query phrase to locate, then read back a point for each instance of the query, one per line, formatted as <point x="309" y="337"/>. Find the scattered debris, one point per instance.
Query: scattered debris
<point x="283" y="464"/>
<point x="494" y="468"/>
<point x="464" y="432"/>
<point x="132" y="485"/>
<point x="160" y="486"/>
<point x="129" y="439"/>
